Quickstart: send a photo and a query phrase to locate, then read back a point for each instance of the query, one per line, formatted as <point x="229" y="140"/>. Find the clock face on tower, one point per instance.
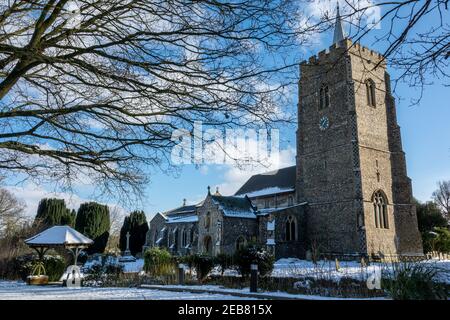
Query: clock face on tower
<point x="324" y="123"/>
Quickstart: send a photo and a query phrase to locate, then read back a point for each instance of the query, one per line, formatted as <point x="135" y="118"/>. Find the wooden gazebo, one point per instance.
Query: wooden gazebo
<point x="56" y="237"/>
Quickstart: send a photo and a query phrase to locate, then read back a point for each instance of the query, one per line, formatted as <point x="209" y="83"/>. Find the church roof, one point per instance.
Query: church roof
<point x="185" y="209"/>
<point x="279" y="181"/>
<point x="236" y="207"/>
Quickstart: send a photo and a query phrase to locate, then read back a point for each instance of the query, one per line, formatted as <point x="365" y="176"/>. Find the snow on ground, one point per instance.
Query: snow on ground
<point x="135" y="266"/>
<point x="128" y="267"/>
<point x="21" y="291"/>
<point x="276" y="294"/>
<point x="296" y="268"/>
<point x="293" y="267"/>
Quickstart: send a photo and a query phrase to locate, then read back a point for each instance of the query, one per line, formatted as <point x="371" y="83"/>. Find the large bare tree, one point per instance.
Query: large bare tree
<point x="11" y="212"/>
<point x="95" y="88"/>
<point x="442" y="197"/>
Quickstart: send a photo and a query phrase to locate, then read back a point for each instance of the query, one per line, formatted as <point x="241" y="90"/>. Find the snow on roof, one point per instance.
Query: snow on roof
<point x="239" y="214"/>
<point x="235" y="207"/>
<point x="268" y="191"/>
<point x="183" y="219"/>
<point x="266" y="211"/>
<point x="283" y="179"/>
<point x="59" y="235"/>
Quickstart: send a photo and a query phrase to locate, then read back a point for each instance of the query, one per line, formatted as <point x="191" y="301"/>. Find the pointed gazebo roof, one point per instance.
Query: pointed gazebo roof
<point x="63" y="236"/>
<point x="339" y="33"/>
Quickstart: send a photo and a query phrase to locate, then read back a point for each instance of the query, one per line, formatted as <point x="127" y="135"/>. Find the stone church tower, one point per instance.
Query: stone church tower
<point x="351" y="168"/>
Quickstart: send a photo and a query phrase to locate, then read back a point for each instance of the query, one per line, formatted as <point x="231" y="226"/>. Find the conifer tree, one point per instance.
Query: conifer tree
<point x="94" y="222"/>
<point x="136" y="225"/>
<point x="53" y="212"/>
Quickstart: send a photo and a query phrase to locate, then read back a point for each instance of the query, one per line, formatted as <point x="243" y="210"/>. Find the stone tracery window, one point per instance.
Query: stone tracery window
<point x="291" y="229"/>
<point x="380" y="210"/>
<point x="371" y="93"/>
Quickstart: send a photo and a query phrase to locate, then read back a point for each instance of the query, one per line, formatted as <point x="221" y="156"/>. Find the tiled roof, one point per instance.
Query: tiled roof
<point x="282" y="180"/>
<point x="237" y="207"/>
<point x="181" y="210"/>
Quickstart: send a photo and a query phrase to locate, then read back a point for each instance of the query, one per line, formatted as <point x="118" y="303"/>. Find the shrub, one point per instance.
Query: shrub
<point x="249" y="255"/>
<point x="158" y="262"/>
<point x="54" y="266"/>
<point x="441" y="241"/>
<point x="203" y="265"/>
<point x="105" y="272"/>
<point x="224" y="261"/>
<point x="189" y="261"/>
<point x="413" y="281"/>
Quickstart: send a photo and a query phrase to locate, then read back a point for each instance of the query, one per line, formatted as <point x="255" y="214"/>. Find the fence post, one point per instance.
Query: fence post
<point x="181" y="274"/>
<point x="254" y="278"/>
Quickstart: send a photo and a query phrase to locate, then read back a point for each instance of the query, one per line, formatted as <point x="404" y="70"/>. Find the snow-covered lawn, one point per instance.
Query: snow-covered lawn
<point x="274" y="294"/>
<point x="135" y="266"/>
<point x="292" y="267"/>
<point x="20" y="291"/>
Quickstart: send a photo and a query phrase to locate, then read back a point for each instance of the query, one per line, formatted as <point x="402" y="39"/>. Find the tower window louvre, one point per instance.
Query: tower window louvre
<point x="371" y="93"/>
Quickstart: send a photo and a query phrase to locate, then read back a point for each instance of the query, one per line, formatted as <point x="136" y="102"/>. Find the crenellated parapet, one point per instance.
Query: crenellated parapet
<point x="346" y="46"/>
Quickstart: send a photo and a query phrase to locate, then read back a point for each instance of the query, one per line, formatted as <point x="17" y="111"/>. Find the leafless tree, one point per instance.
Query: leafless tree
<point x="94" y="88"/>
<point x="442" y="197"/>
<point x="116" y="216"/>
<point x="414" y="36"/>
<point x="11" y="212"/>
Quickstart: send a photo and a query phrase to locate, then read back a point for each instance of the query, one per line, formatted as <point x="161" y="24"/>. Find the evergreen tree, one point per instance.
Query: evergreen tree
<point x="136" y="225"/>
<point x="53" y="212"/>
<point x="432" y="226"/>
<point x="94" y="222"/>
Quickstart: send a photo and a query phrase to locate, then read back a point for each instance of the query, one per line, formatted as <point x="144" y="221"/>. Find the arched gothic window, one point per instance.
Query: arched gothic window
<point x="208" y="220"/>
<point x="380" y="210"/>
<point x="155" y="237"/>
<point x="240" y="242"/>
<point x="371" y="93"/>
<point x="184" y="238"/>
<point x="191" y="236"/>
<point x="290" y="201"/>
<point x="291" y="229"/>
<point x="324" y="98"/>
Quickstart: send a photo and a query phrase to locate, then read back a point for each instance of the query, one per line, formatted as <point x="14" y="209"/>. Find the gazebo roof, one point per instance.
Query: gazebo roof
<point x="59" y="236"/>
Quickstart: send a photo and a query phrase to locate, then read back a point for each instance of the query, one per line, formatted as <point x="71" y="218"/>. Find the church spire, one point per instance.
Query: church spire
<point x="338" y="29"/>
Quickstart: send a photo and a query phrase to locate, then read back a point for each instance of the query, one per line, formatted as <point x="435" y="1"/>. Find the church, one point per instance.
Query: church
<point x="348" y="195"/>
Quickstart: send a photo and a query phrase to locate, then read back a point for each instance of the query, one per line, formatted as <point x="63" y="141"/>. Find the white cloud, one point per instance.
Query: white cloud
<point x="234" y="177"/>
<point x="316" y="12"/>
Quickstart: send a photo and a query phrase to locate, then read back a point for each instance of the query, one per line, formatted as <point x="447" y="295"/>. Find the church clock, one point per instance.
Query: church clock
<point x="324" y="123"/>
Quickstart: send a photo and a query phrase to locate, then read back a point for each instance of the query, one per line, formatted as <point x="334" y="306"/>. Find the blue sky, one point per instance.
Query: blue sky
<point x="426" y="142"/>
